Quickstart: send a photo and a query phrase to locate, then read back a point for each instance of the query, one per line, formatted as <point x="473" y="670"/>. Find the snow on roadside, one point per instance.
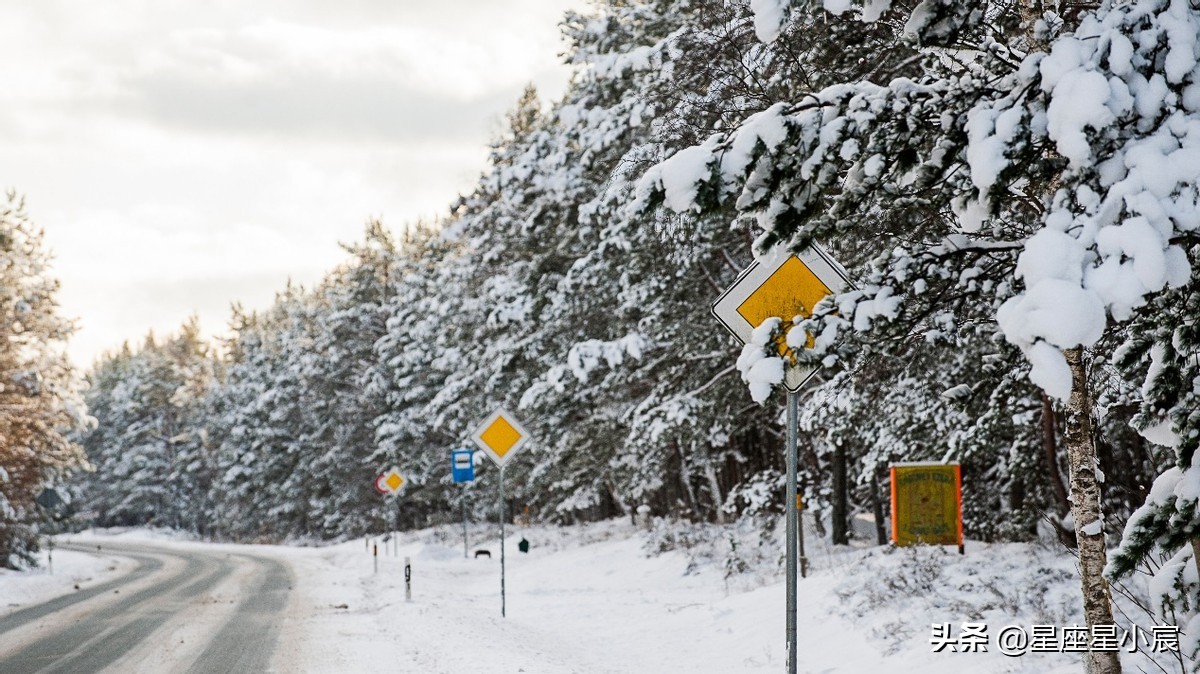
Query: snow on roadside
<point x="70" y="570"/>
<point x="609" y="598"/>
<point x="593" y="600"/>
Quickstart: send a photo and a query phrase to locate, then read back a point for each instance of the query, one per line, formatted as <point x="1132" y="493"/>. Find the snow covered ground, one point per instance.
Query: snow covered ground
<point x="19" y="589"/>
<point x="591" y="599"/>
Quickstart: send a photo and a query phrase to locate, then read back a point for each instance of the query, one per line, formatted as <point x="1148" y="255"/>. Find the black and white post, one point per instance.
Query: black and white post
<point x="407" y="579"/>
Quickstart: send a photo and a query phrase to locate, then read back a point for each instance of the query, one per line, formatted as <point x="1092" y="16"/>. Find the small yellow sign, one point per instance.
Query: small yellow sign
<point x="394" y="481"/>
<point x="927" y="504"/>
<point x="390" y="482"/>
<point x="500" y="436"/>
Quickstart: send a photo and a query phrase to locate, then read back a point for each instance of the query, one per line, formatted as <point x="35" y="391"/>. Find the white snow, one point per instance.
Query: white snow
<point x="761" y="371"/>
<point x="1049" y="370"/>
<point x="592" y="599"/>
<point x="873" y="10"/>
<point x="679" y="177"/>
<point x="836" y="6"/>
<point x="769" y="16"/>
<point x="1162" y="434"/>
<point x="19" y="589"/>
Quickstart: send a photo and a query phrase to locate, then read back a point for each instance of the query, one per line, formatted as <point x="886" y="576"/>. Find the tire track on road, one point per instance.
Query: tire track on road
<point x="146" y="566"/>
<point x="143" y="620"/>
<point x="47" y="653"/>
<point x="247" y="642"/>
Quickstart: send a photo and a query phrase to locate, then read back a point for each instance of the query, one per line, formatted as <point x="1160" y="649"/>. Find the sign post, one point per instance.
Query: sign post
<point x="783" y="285"/>
<point x="501" y="436"/>
<point x="462" y="469"/>
<point x="390" y="483"/>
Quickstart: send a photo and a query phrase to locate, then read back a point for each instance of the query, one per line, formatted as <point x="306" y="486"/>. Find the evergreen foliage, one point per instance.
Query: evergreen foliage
<point x="40" y="394"/>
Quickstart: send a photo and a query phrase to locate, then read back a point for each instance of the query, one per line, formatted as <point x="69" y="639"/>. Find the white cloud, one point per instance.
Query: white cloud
<point x="183" y="155"/>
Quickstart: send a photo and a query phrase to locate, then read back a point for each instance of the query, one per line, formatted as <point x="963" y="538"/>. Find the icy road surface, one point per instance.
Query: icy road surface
<point x="173" y="609"/>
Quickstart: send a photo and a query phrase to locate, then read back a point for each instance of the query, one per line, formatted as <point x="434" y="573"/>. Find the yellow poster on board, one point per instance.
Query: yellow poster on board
<point x="927" y="504"/>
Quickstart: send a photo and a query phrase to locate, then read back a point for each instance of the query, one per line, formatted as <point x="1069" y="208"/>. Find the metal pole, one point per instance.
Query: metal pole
<point x="464" y="511"/>
<point x="502" y="598"/>
<point x="793" y="406"/>
<point x="396" y="535"/>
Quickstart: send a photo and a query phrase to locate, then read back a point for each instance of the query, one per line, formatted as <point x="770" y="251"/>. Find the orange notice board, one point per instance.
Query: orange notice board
<point x="927" y="504"/>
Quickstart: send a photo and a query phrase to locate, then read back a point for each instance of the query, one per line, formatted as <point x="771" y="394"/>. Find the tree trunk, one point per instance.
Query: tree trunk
<point x="877" y="506"/>
<point x="714" y="488"/>
<point x="841" y="536"/>
<point x="1085" y="507"/>
<point x="686" y="482"/>
<point x="1050" y="450"/>
<point x="1196" y="553"/>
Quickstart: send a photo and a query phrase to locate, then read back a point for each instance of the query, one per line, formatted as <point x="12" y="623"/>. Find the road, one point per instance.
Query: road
<point x="176" y="610"/>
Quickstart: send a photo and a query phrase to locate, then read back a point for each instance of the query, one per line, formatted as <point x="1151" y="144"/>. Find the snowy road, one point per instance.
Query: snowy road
<point x="175" y="610"/>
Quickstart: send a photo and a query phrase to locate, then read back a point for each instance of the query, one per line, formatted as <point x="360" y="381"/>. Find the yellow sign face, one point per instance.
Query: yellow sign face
<point x="780" y="285"/>
<point x="927" y="504"/>
<point x="500" y="436"/>
<point x="793" y="290"/>
<point x="394" y="481"/>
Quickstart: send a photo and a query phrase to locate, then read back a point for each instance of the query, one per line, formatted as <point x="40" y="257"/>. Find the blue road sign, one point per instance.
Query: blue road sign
<point x="462" y="467"/>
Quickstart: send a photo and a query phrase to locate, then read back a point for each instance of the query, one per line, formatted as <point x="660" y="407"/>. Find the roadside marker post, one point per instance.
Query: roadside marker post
<point x="501" y="436"/>
<point x="783" y="285"/>
<point x="407" y="579"/>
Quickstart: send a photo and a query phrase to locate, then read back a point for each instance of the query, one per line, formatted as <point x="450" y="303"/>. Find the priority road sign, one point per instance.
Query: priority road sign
<point x="390" y="482"/>
<point x="782" y="285"/>
<point x="500" y="436"/>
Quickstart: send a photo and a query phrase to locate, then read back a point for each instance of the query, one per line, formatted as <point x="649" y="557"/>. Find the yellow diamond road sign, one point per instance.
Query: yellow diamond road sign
<point x="500" y="436"/>
<point x="782" y="285"/>
<point x="390" y="482"/>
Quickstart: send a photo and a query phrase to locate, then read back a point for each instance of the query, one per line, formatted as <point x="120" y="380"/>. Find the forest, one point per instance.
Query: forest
<point x="1012" y="188"/>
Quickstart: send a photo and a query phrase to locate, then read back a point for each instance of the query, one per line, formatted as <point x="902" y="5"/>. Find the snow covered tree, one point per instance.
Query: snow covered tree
<point x="40" y="393"/>
<point x="1044" y="135"/>
<point x="151" y="462"/>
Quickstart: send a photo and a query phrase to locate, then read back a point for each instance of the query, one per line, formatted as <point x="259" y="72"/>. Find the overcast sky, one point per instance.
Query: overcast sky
<point x="185" y="155"/>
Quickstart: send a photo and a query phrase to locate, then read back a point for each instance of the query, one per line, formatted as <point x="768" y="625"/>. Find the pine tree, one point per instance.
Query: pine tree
<point x="1048" y="153"/>
<point x="40" y="403"/>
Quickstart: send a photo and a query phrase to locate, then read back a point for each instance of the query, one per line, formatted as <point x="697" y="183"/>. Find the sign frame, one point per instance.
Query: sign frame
<point x="500" y="459"/>
<point x="725" y="308"/>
